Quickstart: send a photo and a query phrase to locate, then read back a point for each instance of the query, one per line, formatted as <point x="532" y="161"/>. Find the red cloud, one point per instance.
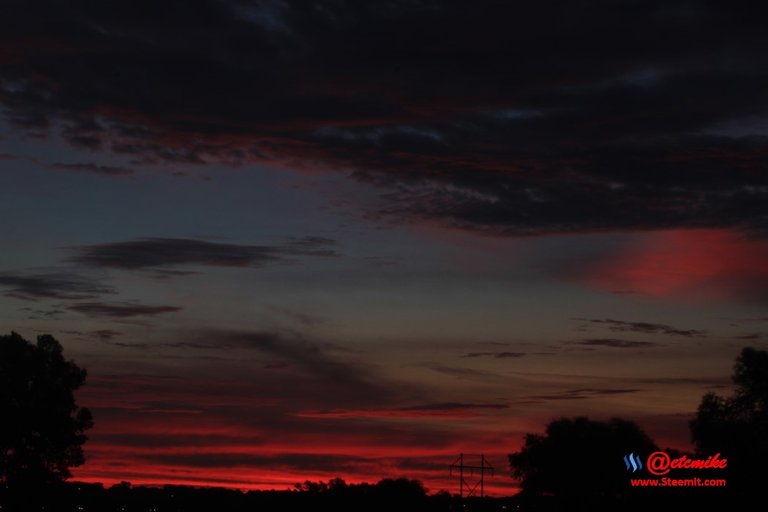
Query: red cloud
<point x="711" y="263"/>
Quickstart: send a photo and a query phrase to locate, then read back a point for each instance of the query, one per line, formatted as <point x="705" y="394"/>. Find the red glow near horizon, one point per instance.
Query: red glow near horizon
<point x="109" y="464"/>
<point x="253" y="444"/>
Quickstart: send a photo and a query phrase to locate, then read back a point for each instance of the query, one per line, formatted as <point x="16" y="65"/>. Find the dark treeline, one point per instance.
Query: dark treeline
<point x="390" y="495"/>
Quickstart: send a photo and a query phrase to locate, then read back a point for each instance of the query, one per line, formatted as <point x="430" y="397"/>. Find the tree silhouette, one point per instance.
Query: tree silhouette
<point x="579" y="458"/>
<point x="737" y="426"/>
<point x="401" y="490"/>
<point x="386" y="495"/>
<point x="42" y="430"/>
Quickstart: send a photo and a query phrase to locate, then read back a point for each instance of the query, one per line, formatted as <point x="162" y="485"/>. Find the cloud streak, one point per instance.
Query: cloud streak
<point x="159" y="253"/>
<point x="91" y="168"/>
<point x="583" y="394"/>
<point x="459" y="372"/>
<point x="433" y="410"/>
<point x="643" y="327"/>
<point x="312" y="369"/>
<point x="616" y="343"/>
<point x="495" y="355"/>
<point x="120" y="310"/>
<point x="51" y="285"/>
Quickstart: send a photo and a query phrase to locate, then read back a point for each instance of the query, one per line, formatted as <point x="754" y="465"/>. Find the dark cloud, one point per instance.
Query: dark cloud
<point x="277" y="365"/>
<point x="43" y="314"/>
<point x="7" y="156"/>
<point x="496" y="355"/>
<point x="150" y="253"/>
<point x="459" y="372"/>
<point x="228" y="340"/>
<point x="120" y="309"/>
<point x="451" y="406"/>
<point x="735" y="322"/>
<point x="162" y="274"/>
<point x="752" y="336"/>
<point x="140" y="346"/>
<point x="309" y="362"/>
<point x="643" y="327"/>
<point x="303" y="319"/>
<point x="438" y="410"/>
<point x="508" y="117"/>
<point x="104" y="170"/>
<point x="581" y="394"/>
<point x="51" y="285"/>
<point x="159" y="407"/>
<point x="615" y="343"/>
<point x="310" y="243"/>
<point x="106" y="334"/>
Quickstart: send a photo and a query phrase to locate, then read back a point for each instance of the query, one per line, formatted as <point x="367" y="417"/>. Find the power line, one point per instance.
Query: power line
<point x="467" y="480"/>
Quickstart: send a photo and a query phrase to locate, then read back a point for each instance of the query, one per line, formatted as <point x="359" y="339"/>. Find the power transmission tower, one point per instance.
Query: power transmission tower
<point x="467" y="471"/>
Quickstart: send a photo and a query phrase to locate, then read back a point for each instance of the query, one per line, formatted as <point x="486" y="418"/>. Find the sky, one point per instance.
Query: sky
<point x="296" y="241"/>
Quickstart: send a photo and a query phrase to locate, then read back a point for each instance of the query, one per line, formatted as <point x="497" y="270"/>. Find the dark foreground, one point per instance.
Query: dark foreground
<point x="387" y="495"/>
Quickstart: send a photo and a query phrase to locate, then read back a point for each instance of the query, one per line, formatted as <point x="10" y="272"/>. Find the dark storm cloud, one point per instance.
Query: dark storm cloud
<point x="508" y="117"/>
<point x="643" y="327"/>
<point x="615" y="343"/>
<point x="148" y="253"/>
<point x="120" y="309"/>
<point x="104" y="170"/>
<point x="52" y="285"/>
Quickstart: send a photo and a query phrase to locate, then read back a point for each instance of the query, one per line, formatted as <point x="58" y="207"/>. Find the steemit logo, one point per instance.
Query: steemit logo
<point x="633" y="462"/>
